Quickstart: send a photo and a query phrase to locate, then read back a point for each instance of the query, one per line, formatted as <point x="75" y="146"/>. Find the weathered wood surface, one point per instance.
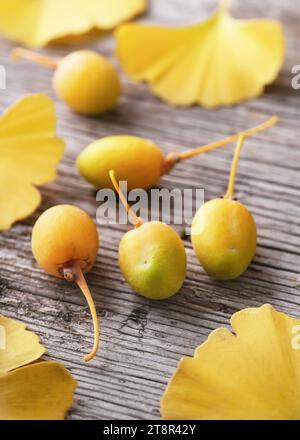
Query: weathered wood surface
<point x="142" y="341"/>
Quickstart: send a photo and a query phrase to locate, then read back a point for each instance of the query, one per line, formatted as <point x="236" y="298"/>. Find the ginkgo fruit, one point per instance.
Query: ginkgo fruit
<point x="221" y="61"/>
<point x="85" y="80"/>
<point x="36" y="23"/>
<point x="139" y="161"/>
<point x="223" y="232"/>
<point x="65" y="244"/>
<point x="152" y="257"/>
<point x="29" y="153"/>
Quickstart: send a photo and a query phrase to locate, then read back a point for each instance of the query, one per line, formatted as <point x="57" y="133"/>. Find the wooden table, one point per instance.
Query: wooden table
<point x="142" y="341"/>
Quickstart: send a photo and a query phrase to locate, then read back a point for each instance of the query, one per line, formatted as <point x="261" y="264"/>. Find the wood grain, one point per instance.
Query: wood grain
<point x="142" y="341"/>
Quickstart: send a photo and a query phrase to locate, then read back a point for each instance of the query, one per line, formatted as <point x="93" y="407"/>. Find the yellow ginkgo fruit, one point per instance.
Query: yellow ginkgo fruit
<point x="29" y="154"/>
<point x="40" y="391"/>
<point x="221" y="61"/>
<point x="252" y="374"/>
<point x="36" y="23"/>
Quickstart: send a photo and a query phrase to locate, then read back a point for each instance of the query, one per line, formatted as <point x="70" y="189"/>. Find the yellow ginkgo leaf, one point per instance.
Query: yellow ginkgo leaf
<point x="18" y="346"/>
<point x="254" y="374"/>
<point x="36" y="23"/>
<point x="29" y="154"/>
<point x="221" y="61"/>
<point x="42" y="391"/>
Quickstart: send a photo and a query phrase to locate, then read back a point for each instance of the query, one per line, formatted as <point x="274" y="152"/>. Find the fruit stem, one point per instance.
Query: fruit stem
<point x="137" y="221"/>
<point x="230" y="191"/>
<point x="174" y="158"/>
<point x="224" y="6"/>
<point x="19" y="53"/>
<point x="73" y="272"/>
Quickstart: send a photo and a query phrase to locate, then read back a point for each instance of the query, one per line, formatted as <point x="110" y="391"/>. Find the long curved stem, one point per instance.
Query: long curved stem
<point x="20" y="53"/>
<point x="213" y="146"/>
<point x="174" y="158"/>
<point x="137" y="221"/>
<point x="73" y="272"/>
<point x="230" y="190"/>
<point x="224" y="6"/>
